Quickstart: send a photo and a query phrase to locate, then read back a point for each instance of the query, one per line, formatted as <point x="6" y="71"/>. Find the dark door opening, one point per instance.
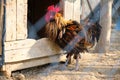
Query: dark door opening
<point x="36" y="10"/>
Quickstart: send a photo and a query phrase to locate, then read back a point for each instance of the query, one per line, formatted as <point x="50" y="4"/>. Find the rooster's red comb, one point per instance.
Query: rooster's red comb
<point x="50" y="8"/>
<point x="53" y="8"/>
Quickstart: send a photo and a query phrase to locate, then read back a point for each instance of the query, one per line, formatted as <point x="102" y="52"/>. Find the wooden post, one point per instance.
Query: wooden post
<point x="21" y="27"/>
<point x="1" y="24"/>
<point x="105" y="22"/>
<point x="10" y="20"/>
<point x="72" y="10"/>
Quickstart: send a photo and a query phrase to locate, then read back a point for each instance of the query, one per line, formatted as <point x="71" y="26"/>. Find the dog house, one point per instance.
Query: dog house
<point x="17" y="51"/>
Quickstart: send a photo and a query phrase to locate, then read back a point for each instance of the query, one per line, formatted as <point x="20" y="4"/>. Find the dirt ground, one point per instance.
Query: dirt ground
<point x="92" y="66"/>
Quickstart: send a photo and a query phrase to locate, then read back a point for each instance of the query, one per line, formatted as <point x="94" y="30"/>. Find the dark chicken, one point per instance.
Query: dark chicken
<point x="72" y="36"/>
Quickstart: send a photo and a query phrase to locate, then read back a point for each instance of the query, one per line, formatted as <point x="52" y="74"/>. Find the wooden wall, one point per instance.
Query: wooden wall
<point x="72" y="9"/>
<point x="16" y="15"/>
<point x="16" y="20"/>
<point x="29" y="49"/>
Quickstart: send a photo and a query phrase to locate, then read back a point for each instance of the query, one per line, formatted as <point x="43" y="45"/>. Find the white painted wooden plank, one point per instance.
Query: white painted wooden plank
<point x="76" y="10"/>
<point x="68" y="9"/>
<point x="12" y="45"/>
<point x="31" y="63"/>
<point x="10" y="20"/>
<point x="21" y="19"/>
<point x="72" y="10"/>
<point x="41" y="48"/>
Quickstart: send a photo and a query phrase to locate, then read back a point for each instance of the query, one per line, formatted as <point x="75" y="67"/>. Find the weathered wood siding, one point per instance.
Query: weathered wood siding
<point x="1" y="24"/>
<point x="16" y="19"/>
<point x="29" y="49"/>
<point x="72" y="9"/>
<point x="10" y="20"/>
<point x="21" y="27"/>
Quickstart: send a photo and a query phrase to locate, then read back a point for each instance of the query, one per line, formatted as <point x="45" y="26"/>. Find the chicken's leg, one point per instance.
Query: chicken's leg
<point x="68" y="60"/>
<point x="77" y="63"/>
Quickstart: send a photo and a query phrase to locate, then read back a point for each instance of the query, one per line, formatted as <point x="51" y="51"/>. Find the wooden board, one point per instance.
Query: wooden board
<point x="76" y="10"/>
<point x="13" y="66"/>
<point x="68" y="9"/>
<point x="40" y="48"/>
<point x="1" y="24"/>
<point x="72" y="10"/>
<point x="30" y="63"/>
<point x="10" y="20"/>
<point x="21" y="29"/>
<point x="7" y="68"/>
<point x="21" y="44"/>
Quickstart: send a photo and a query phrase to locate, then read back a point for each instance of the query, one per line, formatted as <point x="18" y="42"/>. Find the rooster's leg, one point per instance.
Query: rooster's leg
<point x="77" y="63"/>
<point x="68" y="60"/>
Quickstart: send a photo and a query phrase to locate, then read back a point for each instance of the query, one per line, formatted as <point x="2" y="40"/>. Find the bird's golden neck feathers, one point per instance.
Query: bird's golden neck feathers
<point x="56" y="25"/>
<point x="60" y="21"/>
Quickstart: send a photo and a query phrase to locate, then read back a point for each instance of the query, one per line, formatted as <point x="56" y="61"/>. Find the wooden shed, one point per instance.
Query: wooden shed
<point x="17" y="51"/>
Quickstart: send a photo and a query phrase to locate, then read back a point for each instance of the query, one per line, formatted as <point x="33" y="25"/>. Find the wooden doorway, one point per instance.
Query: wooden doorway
<point x="38" y="8"/>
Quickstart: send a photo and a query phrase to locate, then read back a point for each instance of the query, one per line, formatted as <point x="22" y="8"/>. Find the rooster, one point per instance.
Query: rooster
<point x="71" y="36"/>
